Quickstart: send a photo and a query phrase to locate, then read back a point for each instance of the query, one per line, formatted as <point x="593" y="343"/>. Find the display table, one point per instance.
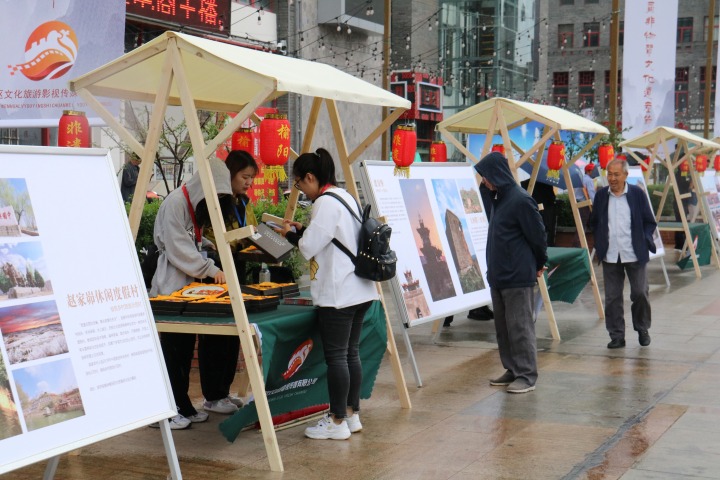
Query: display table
<point x="699" y="231"/>
<point x="567" y="274"/>
<point x="292" y="356"/>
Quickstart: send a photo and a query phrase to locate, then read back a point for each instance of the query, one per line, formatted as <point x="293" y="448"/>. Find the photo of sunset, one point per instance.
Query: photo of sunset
<point x="32" y="331"/>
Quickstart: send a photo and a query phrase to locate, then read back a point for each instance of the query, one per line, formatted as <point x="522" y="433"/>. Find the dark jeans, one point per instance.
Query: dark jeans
<point x="515" y="330"/>
<point x="215" y="356"/>
<point x="614" y="279"/>
<point x="340" y="334"/>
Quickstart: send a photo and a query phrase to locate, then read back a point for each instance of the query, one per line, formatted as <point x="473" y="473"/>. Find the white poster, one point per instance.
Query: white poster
<point x="45" y="44"/>
<point x="711" y="188"/>
<point x="80" y="358"/>
<point x="635" y="177"/>
<point x="439" y="232"/>
<point x="648" y="71"/>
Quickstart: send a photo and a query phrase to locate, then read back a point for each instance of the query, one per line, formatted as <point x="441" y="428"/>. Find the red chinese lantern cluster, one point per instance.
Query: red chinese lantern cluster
<point x="404" y="143"/>
<point x="606" y="152"/>
<point x="555" y="160"/>
<point x="701" y="164"/>
<point x="438" y="151"/>
<point x="275" y="145"/>
<point x="243" y="140"/>
<point x="500" y="148"/>
<point x="684" y="168"/>
<point x="73" y="130"/>
<point x="716" y="164"/>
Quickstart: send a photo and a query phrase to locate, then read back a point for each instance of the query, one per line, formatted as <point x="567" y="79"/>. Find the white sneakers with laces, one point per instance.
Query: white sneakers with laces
<point x="327" y="429"/>
<point x="224" y="405"/>
<point x="353" y="422"/>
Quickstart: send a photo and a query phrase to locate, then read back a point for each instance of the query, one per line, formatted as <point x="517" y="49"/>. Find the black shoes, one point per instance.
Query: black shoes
<point x="619" y="343"/>
<point x="448" y="321"/>
<point x="644" y="338"/>
<point x="480" y="313"/>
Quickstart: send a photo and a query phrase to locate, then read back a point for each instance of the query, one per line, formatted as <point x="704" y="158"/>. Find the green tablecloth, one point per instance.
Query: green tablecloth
<point x="567" y="274"/>
<point x="290" y="338"/>
<point x="701" y="236"/>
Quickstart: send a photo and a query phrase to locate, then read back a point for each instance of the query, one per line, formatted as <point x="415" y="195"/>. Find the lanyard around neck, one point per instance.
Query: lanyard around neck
<point x="196" y="227"/>
<point x="241" y="220"/>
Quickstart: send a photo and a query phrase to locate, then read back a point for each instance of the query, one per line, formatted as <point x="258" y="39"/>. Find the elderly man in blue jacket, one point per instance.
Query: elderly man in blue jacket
<point x="623" y="224"/>
<point x="516" y="255"/>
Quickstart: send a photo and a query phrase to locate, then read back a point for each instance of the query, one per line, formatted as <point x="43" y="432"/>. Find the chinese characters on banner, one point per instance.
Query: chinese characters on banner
<point x="648" y="72"/>
<point x="52" y="43"/>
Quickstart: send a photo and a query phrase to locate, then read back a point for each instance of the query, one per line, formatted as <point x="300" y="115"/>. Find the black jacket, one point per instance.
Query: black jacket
<point x="129" y="180"/>
<point x="516" y="246"/>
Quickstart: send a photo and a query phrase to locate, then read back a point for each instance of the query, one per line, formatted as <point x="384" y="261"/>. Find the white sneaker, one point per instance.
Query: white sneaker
<point x="178" y="422"/>
<point x="237" y="401"/>
<point x="326" y="429"/>
<point x="199" y="417"/>
<point x="353" y="422"/>
<point x="224" y="405"/>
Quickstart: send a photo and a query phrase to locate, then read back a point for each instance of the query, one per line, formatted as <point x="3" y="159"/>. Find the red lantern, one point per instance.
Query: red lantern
<point x="243" y="140"/>
<point x="701" y="163"/>
<point x="274" y="145"/>
<point x="622" y="157"/>
<point x="555" y="160"/>
<point x="499" y="147"/>
<point x="684" y="168"/>
<point x="404" y="143"/>
<point x="606" y="152"/>
<point x="74" y="129"/>
<point x="717" y="164"/>
<point x="438" y="151"/>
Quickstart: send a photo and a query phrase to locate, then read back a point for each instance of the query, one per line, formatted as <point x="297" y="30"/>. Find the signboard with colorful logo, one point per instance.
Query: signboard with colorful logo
<point x="51" y="43"/>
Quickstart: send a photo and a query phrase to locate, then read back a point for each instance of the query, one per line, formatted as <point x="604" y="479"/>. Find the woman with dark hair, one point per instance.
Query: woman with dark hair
<point x="342" y="297"/>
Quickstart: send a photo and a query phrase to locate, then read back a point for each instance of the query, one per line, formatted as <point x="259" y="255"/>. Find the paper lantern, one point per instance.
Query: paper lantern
<point x="274" y="145"/>
<point x="73" y="130"/>
<point x="716" y="164"/>
<point x="684" y="168"/>
<point x="555" y="160"/>
<point x="622" y="157"/>
<point x="701" y="164"/>
<point x="438" y="151"/>
<point x="606" y="152"/>
<point x="404" y="143"/>
<point x="243" y="140"/>
<point x="499" y="147"/>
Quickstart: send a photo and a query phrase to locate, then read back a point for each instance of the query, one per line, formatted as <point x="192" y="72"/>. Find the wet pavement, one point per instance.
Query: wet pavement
<point x="631" y="413"/>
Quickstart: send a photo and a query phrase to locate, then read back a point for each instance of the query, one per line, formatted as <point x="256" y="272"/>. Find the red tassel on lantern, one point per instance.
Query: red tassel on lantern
<point x="701" y="163"/>
<point x="404" y="143"/>
<point x="274" y="145"/>
<point x="438" y="151"/>
<point x="499" y="147"/>
<point x="684" y="168"/>
<point x="243" y="140"/>
<point x="555" y="160"/>
<point x="606" y="152"/>
<point x="73" y="130"/>
<point x="716" y="164"/>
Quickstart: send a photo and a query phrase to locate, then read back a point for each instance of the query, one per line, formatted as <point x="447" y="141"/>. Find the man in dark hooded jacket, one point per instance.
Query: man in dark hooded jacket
<point x="516" y="255"/>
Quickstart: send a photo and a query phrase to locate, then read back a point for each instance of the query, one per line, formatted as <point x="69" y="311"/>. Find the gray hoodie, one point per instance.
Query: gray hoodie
<point x="180" y="262"/>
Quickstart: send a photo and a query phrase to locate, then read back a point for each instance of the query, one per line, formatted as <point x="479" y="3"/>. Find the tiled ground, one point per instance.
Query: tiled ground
<point x="633" y="413"/>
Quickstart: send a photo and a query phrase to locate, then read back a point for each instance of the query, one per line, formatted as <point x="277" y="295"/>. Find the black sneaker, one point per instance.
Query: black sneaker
<point x="448" y="321"/>
<point x="617" y="343"/>
<point x="481" y="313"/>
<point x="644" y="338"/>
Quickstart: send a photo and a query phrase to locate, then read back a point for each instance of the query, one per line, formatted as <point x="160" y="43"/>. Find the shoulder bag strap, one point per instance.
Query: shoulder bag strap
<point x="337" y="243"/>
<point x="196" y="227"/>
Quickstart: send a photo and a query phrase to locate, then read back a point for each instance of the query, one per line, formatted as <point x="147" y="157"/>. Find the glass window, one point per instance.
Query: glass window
<point x="715" y="29"/>
<point x="586" y="89"/>
<point x="685" y="30"/>
<point x="713" y="72"/>
<point x="591" y="34"/>
<point x="565" y="36"/>
<point x="681" y="89"/>
<point x="561" y="81"/>
<point x="567" y="2"/>
<point x="589" y="2"/>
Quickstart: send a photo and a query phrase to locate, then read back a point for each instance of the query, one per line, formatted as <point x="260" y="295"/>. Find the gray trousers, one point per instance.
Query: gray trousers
<point x="614" y="279"/>
<point x="515" y="329"/>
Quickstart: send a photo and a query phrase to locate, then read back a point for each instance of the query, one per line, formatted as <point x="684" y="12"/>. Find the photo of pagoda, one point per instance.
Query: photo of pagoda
<point x="414" y="297"/>
<point x="427" y="239"/>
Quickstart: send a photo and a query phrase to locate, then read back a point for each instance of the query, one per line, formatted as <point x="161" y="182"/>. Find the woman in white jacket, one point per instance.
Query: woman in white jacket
<point x="342" y="297"/>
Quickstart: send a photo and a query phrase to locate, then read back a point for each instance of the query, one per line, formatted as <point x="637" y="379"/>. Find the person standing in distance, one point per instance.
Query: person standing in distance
<point x="516" y="255"/>
<point x="130" y="177"/>
<point x="623" y="224"/>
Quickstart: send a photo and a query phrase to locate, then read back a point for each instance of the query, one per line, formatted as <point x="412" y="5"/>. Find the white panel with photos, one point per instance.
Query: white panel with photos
<point x="635" y="177"/>
<point x="439" y="232"/>
<point x="711" y="187"/>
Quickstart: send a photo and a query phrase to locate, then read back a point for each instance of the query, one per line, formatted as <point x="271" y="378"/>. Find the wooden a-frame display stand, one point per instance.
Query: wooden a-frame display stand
<point x="196" y="73"/>
<point x="656" y="142"/>
<point x="499" y="116"/>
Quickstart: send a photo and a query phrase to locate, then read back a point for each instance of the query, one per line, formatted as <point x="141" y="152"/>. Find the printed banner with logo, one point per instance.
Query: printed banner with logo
<point x="648" y="72"/>
<point x="47" y="43"/>
<point x="294" y="364"/>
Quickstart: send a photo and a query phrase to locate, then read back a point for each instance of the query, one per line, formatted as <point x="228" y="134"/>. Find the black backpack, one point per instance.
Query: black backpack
<point x="375" y="260"/>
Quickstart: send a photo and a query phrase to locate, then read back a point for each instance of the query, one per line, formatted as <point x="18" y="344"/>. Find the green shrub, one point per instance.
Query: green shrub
<point x="655" y="200"/>
<point x="147" y="224"/>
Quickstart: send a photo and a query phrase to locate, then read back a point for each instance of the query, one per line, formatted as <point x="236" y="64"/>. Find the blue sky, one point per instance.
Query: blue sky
<point x="55" y="377"/>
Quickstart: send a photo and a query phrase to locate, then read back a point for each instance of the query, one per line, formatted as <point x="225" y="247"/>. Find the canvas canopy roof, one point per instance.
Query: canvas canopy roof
<point x="224" y="77"/>
<point x="477" y="119"/>
<point x="658" y="134"/>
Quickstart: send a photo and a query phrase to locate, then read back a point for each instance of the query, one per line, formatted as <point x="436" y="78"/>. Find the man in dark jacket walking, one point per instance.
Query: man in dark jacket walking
<point x="623" y="224"/>
<point x="516" y="255"/>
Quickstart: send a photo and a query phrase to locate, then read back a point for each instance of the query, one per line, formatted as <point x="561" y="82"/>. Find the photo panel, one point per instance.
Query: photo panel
<point x="23" y="271"/>
<point x="32" y="331"/>
<point x="17" y="217"/>
<point x="9" y="416"/>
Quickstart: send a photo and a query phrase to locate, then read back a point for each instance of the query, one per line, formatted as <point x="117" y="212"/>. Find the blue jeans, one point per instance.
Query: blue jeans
<point x="340" y="334"/>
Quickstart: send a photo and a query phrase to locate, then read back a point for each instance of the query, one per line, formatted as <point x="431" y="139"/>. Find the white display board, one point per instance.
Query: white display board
<point x="80" y="359"/>
<point x="711" y="187"/>
<point x="439" y="232"/>
<point x="635" y="177"/>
